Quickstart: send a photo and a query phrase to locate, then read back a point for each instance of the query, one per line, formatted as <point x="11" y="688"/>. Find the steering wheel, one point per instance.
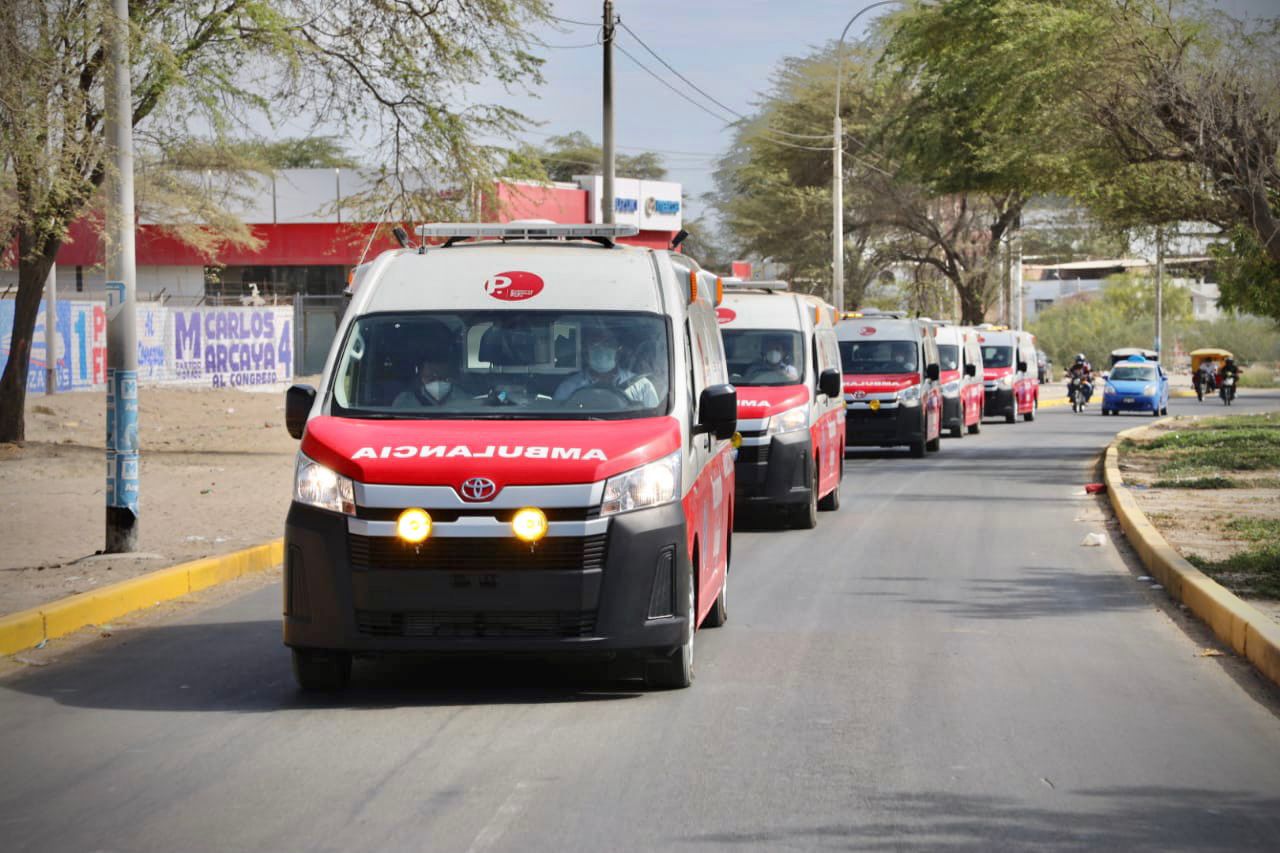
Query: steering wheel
<point x="598" y="396"/>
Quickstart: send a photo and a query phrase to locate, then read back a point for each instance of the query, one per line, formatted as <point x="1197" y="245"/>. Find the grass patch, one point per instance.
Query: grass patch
<point x="1256" y="529"/>
<point x="1197" y="483"/>
<point x="1258" y="376"/>
<point x="1253" y="573"/>
<point x="1215" y="445"/>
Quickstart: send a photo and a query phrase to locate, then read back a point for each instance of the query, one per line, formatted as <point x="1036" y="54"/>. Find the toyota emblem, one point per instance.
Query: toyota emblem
<point x="478" y="489"/>
<point x="858" y="395"/>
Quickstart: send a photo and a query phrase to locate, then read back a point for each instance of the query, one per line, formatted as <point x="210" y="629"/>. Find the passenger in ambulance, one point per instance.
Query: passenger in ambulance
<point x="435" y="381"/>
<point x="602" y="372"/>
<point x="774" y="363"/>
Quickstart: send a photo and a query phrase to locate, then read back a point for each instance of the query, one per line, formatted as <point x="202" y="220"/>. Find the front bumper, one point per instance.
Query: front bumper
<point x="998" y="401"/>
<point x="376" y="594"/>
<point x="776" y="472"/>
<point x="887" y="427"/>
<point x="1128" y="402"/>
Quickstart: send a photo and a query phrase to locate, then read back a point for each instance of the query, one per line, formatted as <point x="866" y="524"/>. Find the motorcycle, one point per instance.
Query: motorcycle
<point x="1078" y="393"/>
<point x="1228" y="392"/>
<point x="1204" y="383"/>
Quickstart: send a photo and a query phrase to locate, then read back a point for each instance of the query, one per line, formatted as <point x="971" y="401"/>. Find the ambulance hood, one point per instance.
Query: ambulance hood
<point x="760" y="402"/>
<point x="511" y="453"/>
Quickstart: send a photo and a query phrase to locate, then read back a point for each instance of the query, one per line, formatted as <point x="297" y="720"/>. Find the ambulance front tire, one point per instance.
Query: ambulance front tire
<point x="1011" y="416"/>
<point x="321" y="669"/>
<point x="917" y="449"/>
<point x="975" y="427"/>
<point x="957" y="432"/>
<point x="935" y="445"/>
<point x="805" y="516"/>
<point x="675" y="671"/>
<point x="831" y="502"/>
<point x="719" y="613"/>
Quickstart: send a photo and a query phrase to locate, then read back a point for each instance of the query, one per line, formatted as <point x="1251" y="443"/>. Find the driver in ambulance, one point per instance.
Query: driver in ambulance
<point x="434" y="382"/>
<point x="603" y="371"/>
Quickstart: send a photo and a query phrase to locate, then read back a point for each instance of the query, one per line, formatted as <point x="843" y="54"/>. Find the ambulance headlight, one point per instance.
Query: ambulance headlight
<point x="951" y="389"/>
<point x="649" y="485"/>
<point x="789" y="421"/>
<point x="1005" y="381"/>
<point x="910" y="396"/>
<point x="316" y="485"/>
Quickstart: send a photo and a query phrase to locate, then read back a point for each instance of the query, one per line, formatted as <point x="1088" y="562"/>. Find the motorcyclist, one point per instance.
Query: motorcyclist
<point x="1229" y="369"/>
<point x="1081" y="370"/>
<point x="1206" y="377"/>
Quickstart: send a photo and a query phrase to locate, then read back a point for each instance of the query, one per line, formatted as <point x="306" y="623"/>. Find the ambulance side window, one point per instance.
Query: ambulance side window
<point x="693" y="367"/>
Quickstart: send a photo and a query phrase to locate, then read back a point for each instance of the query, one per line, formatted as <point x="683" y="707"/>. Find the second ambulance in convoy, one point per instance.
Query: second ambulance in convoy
<point x="784" y="361"/>
<point x="520" y="444"/>
<point x="960" y="359"/>
<point x="1010" y="375"/>
<point x="892" y="391"/>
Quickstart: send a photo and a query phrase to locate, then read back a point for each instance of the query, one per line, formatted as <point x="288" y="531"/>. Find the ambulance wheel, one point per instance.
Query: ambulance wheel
<point x="917" y="449"/>
<point x="719" y="613"/>
<point x="675" y="671"/>
<point x="1030" y="416"/>
<point x="805" y="516"/>
<point x="321" y="669"/>
<point x="1012" y="416"/>
<point x="832" y="501"/>
<point x="957" y="432"/>
<point x="935" y="445"/>
<point x="975" y="427"/>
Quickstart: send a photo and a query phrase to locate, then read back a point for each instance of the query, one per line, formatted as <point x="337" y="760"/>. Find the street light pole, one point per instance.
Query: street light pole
<point x="122" y="338"/>
<point x="607" y="204"/>
<point x="837" y="169"/>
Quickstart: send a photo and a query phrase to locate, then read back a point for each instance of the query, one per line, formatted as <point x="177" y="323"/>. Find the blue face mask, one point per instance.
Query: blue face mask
<point x="602" y="358"/>
<point x="437" y="389"/>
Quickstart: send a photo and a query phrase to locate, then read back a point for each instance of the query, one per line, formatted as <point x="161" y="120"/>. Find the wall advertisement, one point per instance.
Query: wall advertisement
<point x="210" y="347"/>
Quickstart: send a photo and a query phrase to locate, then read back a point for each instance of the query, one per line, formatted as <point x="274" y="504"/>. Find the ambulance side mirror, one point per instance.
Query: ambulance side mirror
<point x="830" y="383"/>
<point x="932" y="371"/>
<point x="298" y="401"/>
<point x="718" y="411"/>
<point x="1022" y="367"/>
<point x="970" y="370"/>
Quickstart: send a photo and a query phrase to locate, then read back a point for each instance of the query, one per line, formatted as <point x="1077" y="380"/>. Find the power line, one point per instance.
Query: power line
<point x="572" y="21"/>
<point x="710" y="97"/>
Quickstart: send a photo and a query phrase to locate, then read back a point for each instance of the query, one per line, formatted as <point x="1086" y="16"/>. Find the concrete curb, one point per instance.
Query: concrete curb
<point x="28" y="628"/>
<point x="1249" y="632"/>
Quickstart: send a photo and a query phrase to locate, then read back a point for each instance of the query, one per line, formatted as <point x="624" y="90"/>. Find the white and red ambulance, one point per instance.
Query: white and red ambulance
<point x="1010" y="375"/>
<point x="522" y="442"/>
<point x="892" y="391"/>
<point x="784" y="361"/>
<point x="960" y="360"/>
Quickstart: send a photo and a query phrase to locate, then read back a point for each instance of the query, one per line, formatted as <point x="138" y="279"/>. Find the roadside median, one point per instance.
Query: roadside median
<point x="1249" y="631"/>
<point x="28" y="628"/>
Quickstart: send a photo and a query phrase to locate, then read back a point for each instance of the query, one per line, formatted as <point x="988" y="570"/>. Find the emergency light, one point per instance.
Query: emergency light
<point x="771" y="285"/>
<point x="524" y="230"/>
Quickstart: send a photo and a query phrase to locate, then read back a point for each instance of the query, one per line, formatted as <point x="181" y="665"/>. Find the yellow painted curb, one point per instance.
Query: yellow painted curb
<point x="1249" y="632"/>
<point x="28" y="628"/>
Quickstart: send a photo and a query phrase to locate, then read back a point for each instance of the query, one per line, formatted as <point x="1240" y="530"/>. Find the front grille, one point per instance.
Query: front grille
<point x="453" y="624"/>
<point x="753" y="454"/>
<point x="478" y="554"/>
<point x="447" y="516"/>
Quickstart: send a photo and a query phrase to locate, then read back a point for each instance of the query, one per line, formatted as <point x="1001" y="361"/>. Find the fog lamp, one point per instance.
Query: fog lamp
<point x="529" y="524"/>
<point x="413" y="526"/>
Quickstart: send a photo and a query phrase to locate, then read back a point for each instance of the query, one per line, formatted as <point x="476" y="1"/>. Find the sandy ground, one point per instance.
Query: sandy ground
<point x="216" y="475"/>
<point x="1192" y="519"/>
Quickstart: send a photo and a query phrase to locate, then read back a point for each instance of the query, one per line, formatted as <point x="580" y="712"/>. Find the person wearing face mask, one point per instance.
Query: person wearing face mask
<point x="602" y="370"/>
<point x="775" y="359"/>
<point x="433" y="384"/>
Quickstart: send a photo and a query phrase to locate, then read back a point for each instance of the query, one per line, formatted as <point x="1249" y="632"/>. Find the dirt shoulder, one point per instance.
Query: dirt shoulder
<point x="215" y="476"/>
<point x="1211" y="486"/>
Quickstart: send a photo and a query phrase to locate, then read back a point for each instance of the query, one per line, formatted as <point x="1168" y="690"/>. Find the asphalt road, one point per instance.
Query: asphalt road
<point x="939" y="666"/>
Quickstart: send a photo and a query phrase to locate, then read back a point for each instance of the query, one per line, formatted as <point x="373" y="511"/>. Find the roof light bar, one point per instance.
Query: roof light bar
<point x="524" y="231"/>
<point x="756" y="284"/>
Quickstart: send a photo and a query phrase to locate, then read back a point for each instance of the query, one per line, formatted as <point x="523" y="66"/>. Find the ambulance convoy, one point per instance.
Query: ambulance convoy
<point x="529" y="438"/>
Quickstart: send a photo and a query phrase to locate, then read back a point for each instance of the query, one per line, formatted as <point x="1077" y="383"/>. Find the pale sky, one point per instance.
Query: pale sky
<point x="727" y="47"/>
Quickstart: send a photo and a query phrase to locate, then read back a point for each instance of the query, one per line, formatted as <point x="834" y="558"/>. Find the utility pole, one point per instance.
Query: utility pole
<point x="122" y="339"/>
<point x="837" y="212"/>
<point x="1017" y="268"/>
<point x="51" y="330"/>
<point x="606" y="201"/>
<point x="1159" y="293"/>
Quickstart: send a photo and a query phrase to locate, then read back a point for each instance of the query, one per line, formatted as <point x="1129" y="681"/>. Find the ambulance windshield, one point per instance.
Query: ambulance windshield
<point x="949" y="356"/>
<point x="874" y="357"/>
<point x="763" y="356"/>
<point x="993" y="356"/>
<point x="504" y="364"/>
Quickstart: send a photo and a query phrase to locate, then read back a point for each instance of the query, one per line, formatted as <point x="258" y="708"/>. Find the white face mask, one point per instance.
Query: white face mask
<point x="773" y="356"/>
<point x="602" y="358"/>
<point x="437" y="389"/>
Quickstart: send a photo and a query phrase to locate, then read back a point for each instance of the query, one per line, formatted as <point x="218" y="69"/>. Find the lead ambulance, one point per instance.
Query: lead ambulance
<point x="522" y="442"/>
<point x="960" y="359"/>
<point x="1010" y="373"/>
<point x="891" y="382"/>
<point x="785" y="363"/>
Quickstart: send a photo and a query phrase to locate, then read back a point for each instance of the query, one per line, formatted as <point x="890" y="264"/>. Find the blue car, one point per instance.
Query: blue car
<point x="1136" y="385"/>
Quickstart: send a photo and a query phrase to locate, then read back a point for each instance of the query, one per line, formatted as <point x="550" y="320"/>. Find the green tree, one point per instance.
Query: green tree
<point x="394" y="74"/>
<point x="562" y="157"/>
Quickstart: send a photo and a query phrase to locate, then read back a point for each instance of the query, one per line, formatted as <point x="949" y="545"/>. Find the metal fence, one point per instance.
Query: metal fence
<point x="315" y="324"/>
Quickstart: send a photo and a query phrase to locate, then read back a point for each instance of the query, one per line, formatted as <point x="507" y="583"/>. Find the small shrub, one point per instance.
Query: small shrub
<point x="1259" y="376"/>
<point x="1196" y="483"/>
